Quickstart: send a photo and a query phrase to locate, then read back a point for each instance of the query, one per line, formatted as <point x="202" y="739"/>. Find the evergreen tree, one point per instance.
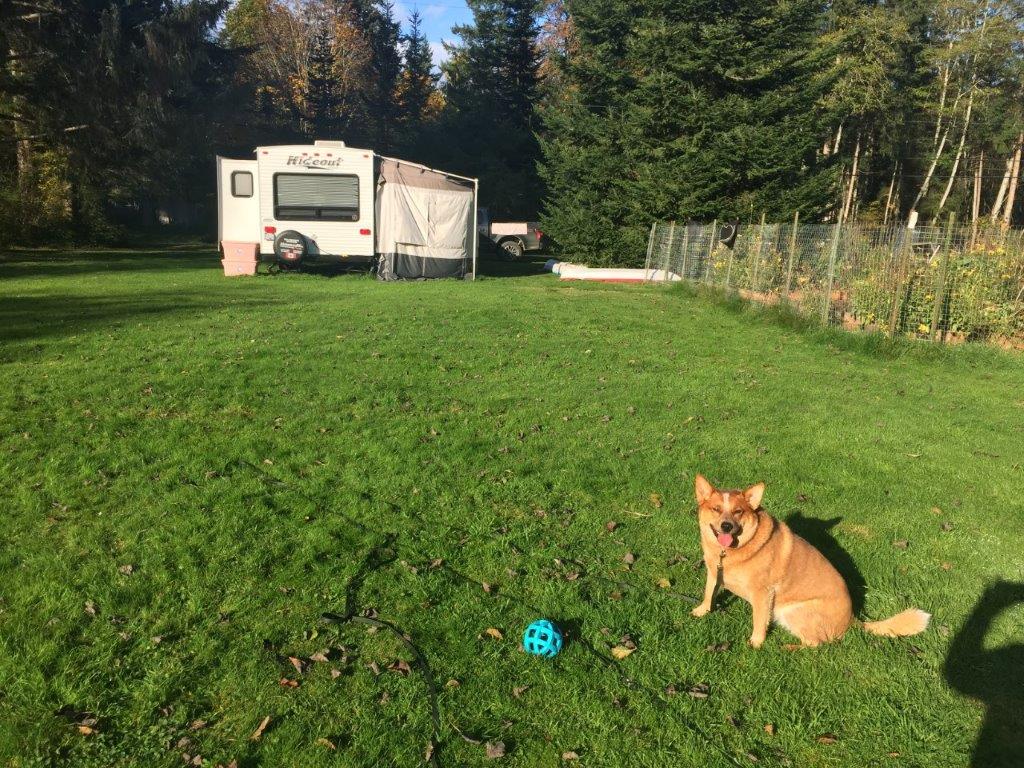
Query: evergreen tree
<point x="684" y="110"/>
<point x="491" y="91"/>
<point x="419" y="81"/>
<point x="321" y="100"/>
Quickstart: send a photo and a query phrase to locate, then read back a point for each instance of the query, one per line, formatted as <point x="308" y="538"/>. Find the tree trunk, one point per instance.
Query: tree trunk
<point x="839" y="136"/>
<point x="1014" y="178"/>
<point x="976" y="200"/>
<point x="928" y="177"/>
<point x="959" y="154"/>
<point x="853" y="182"/>
<point x="942" y="98"/>
<point x="997" y="206"/>
<point x="888" y="197"/>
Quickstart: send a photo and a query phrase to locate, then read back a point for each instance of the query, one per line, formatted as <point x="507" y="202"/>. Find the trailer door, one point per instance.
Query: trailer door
<point x="238" y="201"/>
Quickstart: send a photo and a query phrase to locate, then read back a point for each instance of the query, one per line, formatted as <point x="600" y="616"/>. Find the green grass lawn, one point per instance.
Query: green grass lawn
<point x="193" y="469"/>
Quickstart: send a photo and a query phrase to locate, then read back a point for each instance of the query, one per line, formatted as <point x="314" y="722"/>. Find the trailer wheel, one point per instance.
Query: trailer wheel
<point x="291" y="248"/>
<point x="512" y="247"/>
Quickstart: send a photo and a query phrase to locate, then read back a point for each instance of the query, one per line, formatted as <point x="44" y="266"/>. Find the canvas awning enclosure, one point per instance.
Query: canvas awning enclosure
<point x="426" y="222"/>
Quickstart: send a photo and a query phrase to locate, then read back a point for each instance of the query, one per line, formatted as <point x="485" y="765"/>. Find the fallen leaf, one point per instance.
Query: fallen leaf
<point x="197" y="725"/>
<point x="670" y="689"/>
<point x="664" y="583"/>
<point x="494" y="749"/>
<point x="901" y="544"/>
<point x="570" y="756"/>
<point x="428" y="753"/>
<point x="656" y="501"/>
<point x="699" y="691"/>
<point x="400" y="666"/>
<point x="90" y="608"/>
<point x="288" y="683"/>
<point x="299" y="664"/>
<point x="616" y="595"/>
<point x="327" y="743"/>
<point x="751" y="757"/>
<point x="372" y="666"/>
<point x="437" y="562"/>
<point x="335" y="674"/>
<point x="619" y="652"/>
<point x="936" y="510"/>
<point x="495" y="633"/>
<point x="946" y="566"/>
<point x="947" y="526"/>
<point x="319" y="656"/>
<point x="732" y="720"/>
<point x="487" y="587"/>
<point x="86" y="730"/>
<point x="828" y="738"/>
<point x="127" y="569"/>
<point x="610" y="526"/>
<point x="769" y="728"/>
<point x="629" y="558"/>
<point x="452" y="683"/>
<point x="943" y="630"/>
<point x="268" y="462"/>
<point x="893" y="754"/>
<point x="718" y="647"/>
<point x="258" y="733"/>
<point x="519" y="690"/>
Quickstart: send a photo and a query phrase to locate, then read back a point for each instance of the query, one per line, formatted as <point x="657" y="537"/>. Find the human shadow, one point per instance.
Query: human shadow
<point x="994" y="676"/>
<point x="818" y="533"/>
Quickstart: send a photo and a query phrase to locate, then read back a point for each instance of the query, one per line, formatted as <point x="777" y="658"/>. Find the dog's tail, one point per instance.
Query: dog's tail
<point x="908" y="622"/>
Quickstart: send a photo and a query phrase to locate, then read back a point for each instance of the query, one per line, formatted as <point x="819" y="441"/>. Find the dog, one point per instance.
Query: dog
<point x="784" y="578"/>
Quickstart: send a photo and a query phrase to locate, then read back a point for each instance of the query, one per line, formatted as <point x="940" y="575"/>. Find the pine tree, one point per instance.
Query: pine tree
<point x="683" y="110"/>
<point x="321" y="102"/>
<point x="419" y="81"/>
<point x="491" y="91"/>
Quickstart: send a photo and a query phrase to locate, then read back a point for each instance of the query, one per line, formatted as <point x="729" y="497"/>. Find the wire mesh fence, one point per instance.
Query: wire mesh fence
<point x="944" y="283"/>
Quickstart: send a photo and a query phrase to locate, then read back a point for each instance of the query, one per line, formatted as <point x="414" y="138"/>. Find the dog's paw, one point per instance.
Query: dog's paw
<point x="700" y="610"/>
<point x="755" y="642"/>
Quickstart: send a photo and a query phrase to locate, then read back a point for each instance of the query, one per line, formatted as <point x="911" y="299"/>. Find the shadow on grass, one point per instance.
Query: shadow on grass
<point x="495" y="266"/>
<point x="818" y="533"/>
<point x="994" y="676"/>
<point x="28" y="318"/>
<point x="871" y="344"/>
<point x="57" y="263"/>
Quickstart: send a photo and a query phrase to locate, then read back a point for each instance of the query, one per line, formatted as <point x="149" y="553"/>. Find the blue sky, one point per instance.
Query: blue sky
<point x="438" y="19"/>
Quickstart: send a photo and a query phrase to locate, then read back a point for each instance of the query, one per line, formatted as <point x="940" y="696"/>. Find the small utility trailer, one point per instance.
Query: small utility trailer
<point x="326" y="203"/>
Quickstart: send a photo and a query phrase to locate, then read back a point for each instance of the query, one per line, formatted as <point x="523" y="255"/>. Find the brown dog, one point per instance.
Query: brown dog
<point x="784" y="578"/>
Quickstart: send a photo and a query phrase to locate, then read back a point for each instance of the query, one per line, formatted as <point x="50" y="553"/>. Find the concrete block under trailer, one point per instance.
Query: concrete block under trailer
<point x="329" y="203"/>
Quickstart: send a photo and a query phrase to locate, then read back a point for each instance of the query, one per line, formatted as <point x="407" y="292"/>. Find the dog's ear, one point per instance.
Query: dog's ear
<point x="754" y="494"/>
<point x="703" y="489"/>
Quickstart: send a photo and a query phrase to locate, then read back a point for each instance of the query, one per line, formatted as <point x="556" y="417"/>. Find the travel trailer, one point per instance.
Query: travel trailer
<point x="325" y="203"/>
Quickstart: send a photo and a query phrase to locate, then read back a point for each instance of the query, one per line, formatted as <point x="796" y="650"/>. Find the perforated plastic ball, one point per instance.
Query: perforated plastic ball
<point x="542" y="638"/>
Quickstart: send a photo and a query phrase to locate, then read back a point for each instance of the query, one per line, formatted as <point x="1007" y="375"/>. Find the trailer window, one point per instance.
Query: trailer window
<point x="316" y="196"/>
<point x="241" y="184"/>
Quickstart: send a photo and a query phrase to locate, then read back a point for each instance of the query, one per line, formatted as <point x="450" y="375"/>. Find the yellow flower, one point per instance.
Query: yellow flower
<point x="922" y="328"/>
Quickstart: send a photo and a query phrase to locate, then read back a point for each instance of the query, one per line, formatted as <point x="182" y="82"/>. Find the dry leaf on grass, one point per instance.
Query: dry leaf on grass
<point x="86" y="730"/>
<point x="494" y="749"/>
<point x="258" y="733"/>
<point x="519" y="690"/>
<point x="494" y="633"/>
<point x="299" y="664"/>
<point x="901" y="544"/>
<point x="629" y="558"/>
<point x="90" y="608"/>
<point x="570" y="756"/>
<point x="656" y="500"/>
<point x="453" y="683"/>
<point x="610" y="526"/>
<point x="619" y="652"/>
<point x="828" y="738"/>
<point x="288" y="683"/>
<point x="664" y="583"/>
<point x="769" y="728"/>
<point x="320" y="656"/>
<point x="699" y="691"/>
<point x="327" y="743"/>
<point x="718" y="647"/>
<point x="400" y="666"/>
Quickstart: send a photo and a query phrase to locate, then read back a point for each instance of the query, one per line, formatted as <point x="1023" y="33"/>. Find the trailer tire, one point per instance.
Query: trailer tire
<point x="290" y="248"/>
<point x="512" y="248"/>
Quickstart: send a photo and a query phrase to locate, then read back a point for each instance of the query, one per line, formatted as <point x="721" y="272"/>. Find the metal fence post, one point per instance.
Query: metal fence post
<point x="711" y="251"/>
<point x="686" y="245"/>
<point x="939" y="288"/>
<point x="830" y="279"/>
<point x="792" y="254"/>
<point x="671" y="239"/>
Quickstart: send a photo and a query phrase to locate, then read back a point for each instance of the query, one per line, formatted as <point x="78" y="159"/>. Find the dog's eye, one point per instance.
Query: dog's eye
<point x="718" y="509"/>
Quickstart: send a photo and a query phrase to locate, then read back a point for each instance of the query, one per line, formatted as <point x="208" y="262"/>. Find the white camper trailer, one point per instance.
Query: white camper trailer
<point x="326" y="202"/>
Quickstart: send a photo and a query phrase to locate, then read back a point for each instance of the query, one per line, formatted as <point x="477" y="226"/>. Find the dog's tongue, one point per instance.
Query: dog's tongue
<point x="725" y="539"/>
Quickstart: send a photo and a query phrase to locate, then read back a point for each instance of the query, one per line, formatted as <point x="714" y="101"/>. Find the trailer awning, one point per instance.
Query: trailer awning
<point x="425" y="222"/>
